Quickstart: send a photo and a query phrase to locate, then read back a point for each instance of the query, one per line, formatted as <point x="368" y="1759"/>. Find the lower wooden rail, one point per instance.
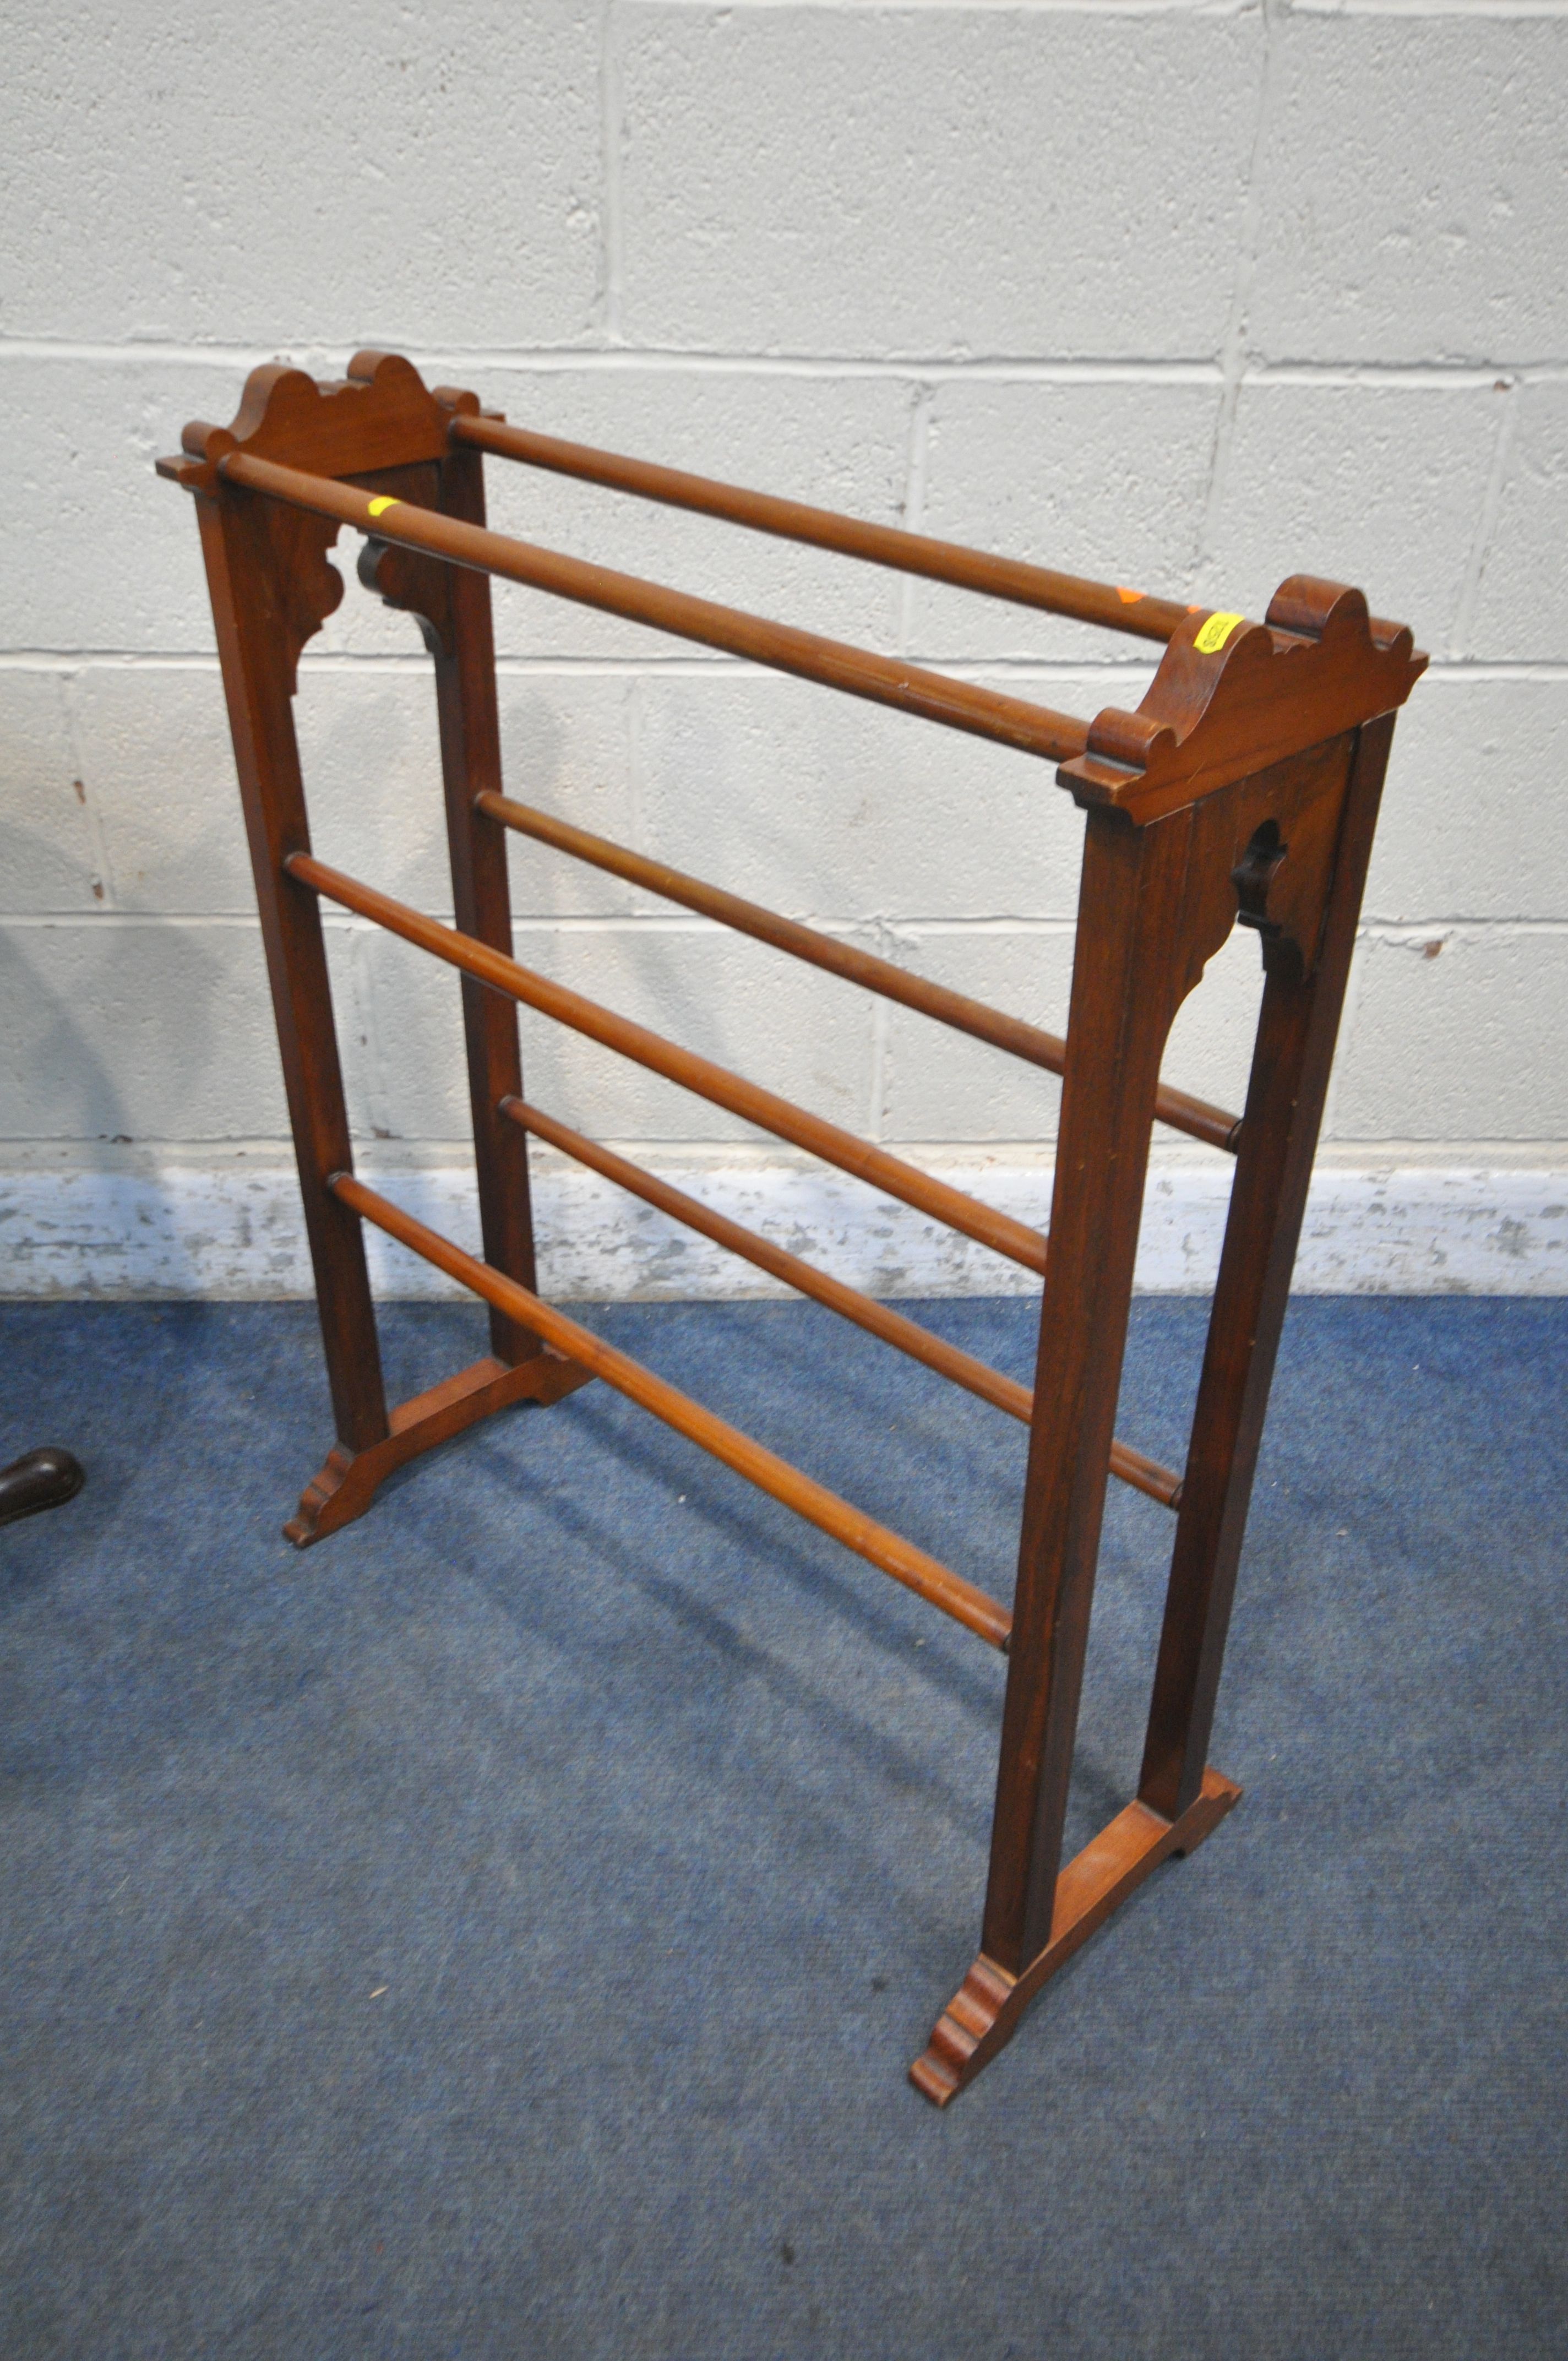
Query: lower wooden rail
<point x="881" y="1547"/>
<point x="1162" y="1484"/>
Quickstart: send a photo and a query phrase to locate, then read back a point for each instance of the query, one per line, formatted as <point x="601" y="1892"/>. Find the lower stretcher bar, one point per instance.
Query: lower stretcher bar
<point x="889" y="1551"/>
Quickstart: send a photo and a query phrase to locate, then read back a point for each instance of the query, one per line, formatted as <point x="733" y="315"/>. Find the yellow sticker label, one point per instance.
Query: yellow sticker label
<point x="379" y="507"/>
<point x="1213" y="635"/>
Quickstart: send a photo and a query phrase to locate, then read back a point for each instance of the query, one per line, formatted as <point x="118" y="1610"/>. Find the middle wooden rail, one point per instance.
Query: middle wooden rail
<point x="989" y="1228"/>
<point x="1212" y="1125"/>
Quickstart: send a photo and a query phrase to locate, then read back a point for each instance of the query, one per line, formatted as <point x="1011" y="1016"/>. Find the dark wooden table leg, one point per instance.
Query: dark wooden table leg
<point x="1125" y="991"/>
<point x="471" y="765"/>
<point x="1155" y="903"/>
<point x="272" y="588"/>
<point x="1297" y="1031"/>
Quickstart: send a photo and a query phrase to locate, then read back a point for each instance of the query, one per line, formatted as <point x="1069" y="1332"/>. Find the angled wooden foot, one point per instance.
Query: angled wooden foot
<point x="986" y="2011"/>
<point x="346" y="1485"/>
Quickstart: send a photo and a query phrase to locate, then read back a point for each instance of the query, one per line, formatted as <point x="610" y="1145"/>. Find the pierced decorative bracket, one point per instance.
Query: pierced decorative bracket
<point x="1228" y="701"/>
<point x="381" y="427"/>
<point x="416" y="585"/>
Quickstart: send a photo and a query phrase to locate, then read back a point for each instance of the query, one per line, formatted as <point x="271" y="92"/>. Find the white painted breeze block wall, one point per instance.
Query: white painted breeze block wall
<point x="1188" y="296"/>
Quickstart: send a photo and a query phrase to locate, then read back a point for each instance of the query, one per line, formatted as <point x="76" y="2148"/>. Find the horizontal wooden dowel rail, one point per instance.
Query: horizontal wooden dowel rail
<point x="1213" y="1124"/>
<point x="882" y="1547"/>
<point x="989" y="1228"/>
<point x="879" y="1320"/>
<point x="960" y="705"/>
<point x="910" y="552"/>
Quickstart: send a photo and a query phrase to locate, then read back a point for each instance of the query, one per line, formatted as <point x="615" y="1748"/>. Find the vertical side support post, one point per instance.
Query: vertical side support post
<point x="1296" y="1030"/>
<point x="470" y="763"/>
<point x="1132" y="967"/>
<point x="271" y="586"/>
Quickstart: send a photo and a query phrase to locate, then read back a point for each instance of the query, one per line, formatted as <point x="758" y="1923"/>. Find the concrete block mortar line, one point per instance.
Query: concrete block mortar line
<point x="904" y="931"/>
<point x="1233" y="357"/>
<point x="1111" y="671"/>
<point x="881" y="1080"/>
<point x="362" y="1016"/>
<point x="1207" y="9"/>
<point x="1486" y="517"/>
<point x="913" y="507"/>
<point x="1505" y="9"/>
<point x="1417" y="932"/>
<point x="1459" y="375"/>
<point x="103" y="871"/>
<point x="612" y="112"/>
<point x="885" y="943"/>
<point x="637" y="773"/>
<point x="936" y="368"/>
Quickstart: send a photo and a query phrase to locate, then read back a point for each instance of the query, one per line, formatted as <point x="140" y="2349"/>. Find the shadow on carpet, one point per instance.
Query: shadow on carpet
<point x="504" y="1929"/>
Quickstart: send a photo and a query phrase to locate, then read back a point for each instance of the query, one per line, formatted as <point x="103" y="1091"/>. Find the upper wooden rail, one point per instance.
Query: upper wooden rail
<point x="1115" y="608"/>
<point x="903" y="1560"/>
<point x="884" y="680"/>
<point x="1230" y="698"/>
<point x="1197" y="1116"/>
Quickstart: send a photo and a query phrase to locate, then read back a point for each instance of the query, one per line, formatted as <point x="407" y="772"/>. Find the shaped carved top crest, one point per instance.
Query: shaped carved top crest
<point x="1317" y="665"/>
<point x="381" y="415"/>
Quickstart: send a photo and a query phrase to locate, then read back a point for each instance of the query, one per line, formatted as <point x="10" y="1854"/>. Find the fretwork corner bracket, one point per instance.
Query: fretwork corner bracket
<point x="1262" y="692"/>
<point x="379" y="427"/>
<point x="1245" y="786"/>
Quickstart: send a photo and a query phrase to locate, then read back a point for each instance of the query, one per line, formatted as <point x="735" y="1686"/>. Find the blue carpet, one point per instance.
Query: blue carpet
<point x="503" y="1931"/>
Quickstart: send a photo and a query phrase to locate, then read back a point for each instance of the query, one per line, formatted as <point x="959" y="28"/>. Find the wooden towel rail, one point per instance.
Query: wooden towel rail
<point x="1244" y="788"/>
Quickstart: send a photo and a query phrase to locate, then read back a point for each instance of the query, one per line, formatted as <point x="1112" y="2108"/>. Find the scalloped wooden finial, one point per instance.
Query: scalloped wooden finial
<point x="1231" y="696"/>
<point x="382" y="414"/>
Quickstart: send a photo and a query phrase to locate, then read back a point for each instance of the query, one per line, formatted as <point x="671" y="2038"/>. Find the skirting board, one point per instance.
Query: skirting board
<point x="234" y="1231"/>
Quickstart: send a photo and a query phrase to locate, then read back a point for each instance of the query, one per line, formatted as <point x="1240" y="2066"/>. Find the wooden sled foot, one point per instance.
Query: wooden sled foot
<point x="346" y="1485"/>
<point x="986" y="2011"/>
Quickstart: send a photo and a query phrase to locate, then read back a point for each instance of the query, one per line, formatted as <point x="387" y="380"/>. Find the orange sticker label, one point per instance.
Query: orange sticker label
<point x="1129" y="597"/>
<point x="379" y="507"/>
<point x="1213" y="635"/>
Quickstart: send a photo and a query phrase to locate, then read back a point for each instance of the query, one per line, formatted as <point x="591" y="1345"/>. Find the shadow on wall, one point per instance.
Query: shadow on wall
<point x="109" y="1028"/>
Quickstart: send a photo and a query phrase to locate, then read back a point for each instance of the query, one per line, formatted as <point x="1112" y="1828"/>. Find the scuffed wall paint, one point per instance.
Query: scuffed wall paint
<point x="238" y="1233"/>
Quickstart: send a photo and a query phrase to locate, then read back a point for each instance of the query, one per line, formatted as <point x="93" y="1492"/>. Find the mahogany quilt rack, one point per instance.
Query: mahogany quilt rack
<point x="1245" y="786"/>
